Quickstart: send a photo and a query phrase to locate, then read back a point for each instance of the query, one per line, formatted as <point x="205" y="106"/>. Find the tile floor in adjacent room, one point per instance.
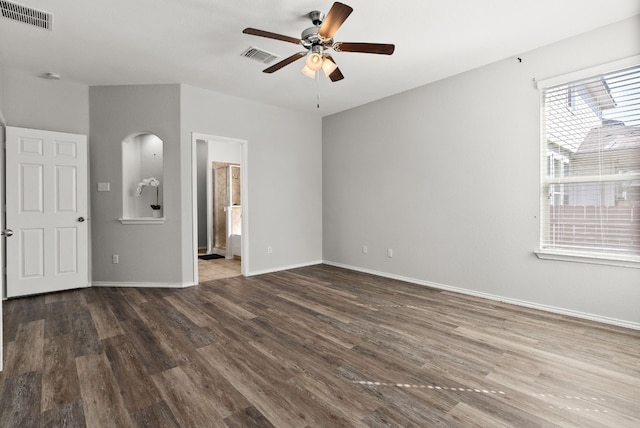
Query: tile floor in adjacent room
<point x="218" y="269"/>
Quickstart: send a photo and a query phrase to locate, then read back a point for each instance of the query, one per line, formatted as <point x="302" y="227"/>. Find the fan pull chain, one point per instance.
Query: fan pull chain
<point x="318" y="89"/>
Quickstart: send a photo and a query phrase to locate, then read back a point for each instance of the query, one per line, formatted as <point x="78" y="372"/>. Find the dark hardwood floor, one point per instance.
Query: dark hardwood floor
<point x="311" y="347"/>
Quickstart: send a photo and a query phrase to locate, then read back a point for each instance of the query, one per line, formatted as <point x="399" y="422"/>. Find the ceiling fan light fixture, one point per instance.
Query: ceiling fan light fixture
<point x="308" y="72"/>
<point x="314" y="61"/>
<point x="328" y="66"/>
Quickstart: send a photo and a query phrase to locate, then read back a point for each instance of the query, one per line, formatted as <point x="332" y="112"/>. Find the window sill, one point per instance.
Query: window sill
<point x="142" y="220"/>
<point x="598" y="259"/>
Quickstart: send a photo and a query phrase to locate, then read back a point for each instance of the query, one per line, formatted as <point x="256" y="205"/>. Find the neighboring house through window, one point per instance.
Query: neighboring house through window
<point x="590" y="155"/>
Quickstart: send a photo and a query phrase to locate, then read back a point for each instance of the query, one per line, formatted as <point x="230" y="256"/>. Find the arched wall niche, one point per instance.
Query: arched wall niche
<point x="142" y="161"/>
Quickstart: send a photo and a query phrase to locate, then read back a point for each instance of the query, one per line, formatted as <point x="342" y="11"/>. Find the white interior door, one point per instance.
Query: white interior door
<point x="46" y="208"/>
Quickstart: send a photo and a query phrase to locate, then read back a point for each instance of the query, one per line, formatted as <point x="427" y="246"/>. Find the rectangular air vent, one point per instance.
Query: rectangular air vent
<point x="26" y="15"/>
<point x="259" y="55"/>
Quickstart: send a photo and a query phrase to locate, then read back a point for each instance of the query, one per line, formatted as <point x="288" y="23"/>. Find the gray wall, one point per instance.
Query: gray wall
<point x="284" y="174"/>
<point x="447" y="175"/>
<point x="148" y="253"/>
<point x="29" y="101"/>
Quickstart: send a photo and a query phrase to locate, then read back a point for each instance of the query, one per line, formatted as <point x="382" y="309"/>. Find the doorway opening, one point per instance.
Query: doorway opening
<point x="220" y="207"/>
<point x="223" y="238"/>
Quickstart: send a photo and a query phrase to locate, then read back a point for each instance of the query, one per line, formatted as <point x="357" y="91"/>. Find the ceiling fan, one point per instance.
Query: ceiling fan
<point x="318" y="39"/>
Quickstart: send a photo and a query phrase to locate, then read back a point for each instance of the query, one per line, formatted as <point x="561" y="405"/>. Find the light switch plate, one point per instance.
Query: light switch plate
<point x="104" y="187"/>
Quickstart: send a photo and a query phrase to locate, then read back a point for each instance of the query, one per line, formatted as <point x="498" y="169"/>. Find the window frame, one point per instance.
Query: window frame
<point x="569" y="255"/>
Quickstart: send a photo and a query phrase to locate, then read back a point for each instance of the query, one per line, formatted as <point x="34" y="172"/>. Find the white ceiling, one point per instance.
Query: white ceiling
<point x="199" y="42"/>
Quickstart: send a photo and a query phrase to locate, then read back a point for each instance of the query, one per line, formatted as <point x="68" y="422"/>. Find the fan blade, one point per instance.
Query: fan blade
<point x="336" y="74"/>
<point x="284" y="62"/>
<point x="374" y="48"/>
<point x="338" y="13"/>
<point x="270" y="35"/>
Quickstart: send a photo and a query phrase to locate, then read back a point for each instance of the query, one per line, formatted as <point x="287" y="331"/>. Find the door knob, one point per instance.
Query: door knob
<point x="7" y="232"/>
<point x="81" y="219"/>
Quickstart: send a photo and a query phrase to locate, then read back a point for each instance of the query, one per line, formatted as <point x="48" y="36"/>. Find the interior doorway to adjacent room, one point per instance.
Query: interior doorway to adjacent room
<point x="220" y="207"/>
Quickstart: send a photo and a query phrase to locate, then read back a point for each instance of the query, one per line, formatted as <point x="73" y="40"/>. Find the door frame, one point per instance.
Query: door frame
<point x="3" y="290"/>
<point x="244" y="190"/>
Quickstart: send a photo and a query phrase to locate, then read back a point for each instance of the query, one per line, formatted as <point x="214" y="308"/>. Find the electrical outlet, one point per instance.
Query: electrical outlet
<point x="365" y="250"/>
<point x="115" y="259"/>
<point x="269" y="249"/>
<point x="389" y="252"/>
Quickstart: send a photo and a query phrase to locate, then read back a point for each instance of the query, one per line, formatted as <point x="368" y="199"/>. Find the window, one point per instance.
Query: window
<point x="590" y="156"/>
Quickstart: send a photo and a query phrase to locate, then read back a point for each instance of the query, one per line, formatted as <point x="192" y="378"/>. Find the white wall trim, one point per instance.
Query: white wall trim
<point x="281" y="268"/>
<point x="142" y="220"/>
<point x="546" y="308"/>
<point x="142" y="284"/>
<point x="598" y="259"/>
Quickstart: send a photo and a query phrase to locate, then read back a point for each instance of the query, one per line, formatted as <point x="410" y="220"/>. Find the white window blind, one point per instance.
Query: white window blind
<point x="591" y="166"/>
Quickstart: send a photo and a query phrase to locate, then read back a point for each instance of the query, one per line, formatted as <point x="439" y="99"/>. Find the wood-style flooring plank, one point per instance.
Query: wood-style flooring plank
<point x="25" y="354"/>
<point x="57" y="320"/>
<point x="20" y="400"/>
<point x="181" y="325"/>
<point x="84" y="336"/>
<point x="158" y="415"/>
<point x="170" y="334"/>
<point x="151" y="353"/>
<point x="191" y="310"/>
<point x="115" y="300"/>
<point x="229" y="307"/>
<point x="25" y="310"/>
<point x="60" y="384"/>
<point x="469" y="416"/>
<point x="186" y="401"/>
<point x="264" y="395"/>
<point x="249" y="417"/>
<point x="103" y="404"/>
<point x="66" y="415"/>
<point x="106" y="323"/>
<point x="214" y="388"/>
<point x="385" y="417"/>
<point x="136" y="387"/>
<point x="328" y="393"/>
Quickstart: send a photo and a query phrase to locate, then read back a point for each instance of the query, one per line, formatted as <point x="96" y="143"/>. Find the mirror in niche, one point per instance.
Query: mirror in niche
<point x="142" y="176"/>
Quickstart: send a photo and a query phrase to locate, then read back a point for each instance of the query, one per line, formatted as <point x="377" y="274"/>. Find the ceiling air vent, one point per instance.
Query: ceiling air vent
<point x="259" y="55"/>
<point x="27" y="15"/>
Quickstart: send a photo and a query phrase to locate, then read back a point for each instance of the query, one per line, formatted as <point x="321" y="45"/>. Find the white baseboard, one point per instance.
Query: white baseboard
<point x="281" y="268"/>
<point x="142" y="284"/>
<point x="179" y="285"/>
<point x="532" y="305"/>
